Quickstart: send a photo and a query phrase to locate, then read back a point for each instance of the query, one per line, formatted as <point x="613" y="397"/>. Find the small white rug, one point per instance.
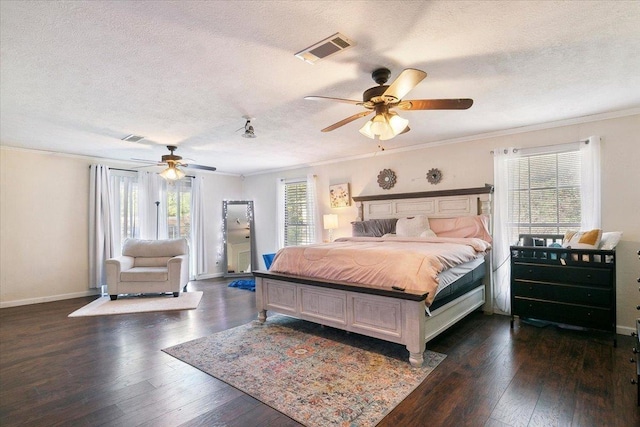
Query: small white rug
<point x="103" y="306"/>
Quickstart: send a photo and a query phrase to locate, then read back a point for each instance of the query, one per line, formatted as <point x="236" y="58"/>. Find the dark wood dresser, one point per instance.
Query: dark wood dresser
<point x="575" y="287"/>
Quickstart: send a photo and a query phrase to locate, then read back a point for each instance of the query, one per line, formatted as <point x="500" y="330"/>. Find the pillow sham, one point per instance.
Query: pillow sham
<point x="373" y="227"/>
<point x="582" y="239"/>
<point x="462" y="226"/>
<point x="610" y="240"/>
<point x="412" y="226"/>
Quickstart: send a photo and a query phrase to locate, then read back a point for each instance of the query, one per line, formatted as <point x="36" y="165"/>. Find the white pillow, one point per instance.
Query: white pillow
<point x="610" y="240"/>
<point x="412" y="226"/>
<point x="428" y="233"/>
<point x="582" y="239"/>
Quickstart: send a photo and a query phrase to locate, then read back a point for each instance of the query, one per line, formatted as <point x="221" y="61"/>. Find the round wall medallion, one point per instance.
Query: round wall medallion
<point x="434" y="176"/>
<point x="386" y="179"/>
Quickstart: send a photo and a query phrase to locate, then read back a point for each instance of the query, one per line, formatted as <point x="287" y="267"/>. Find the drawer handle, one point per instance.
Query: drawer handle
<point x="634" y="350"/>
<point x="588" y="276"/>
<point x="632" y="360"/>
<point x="589" y="295"/>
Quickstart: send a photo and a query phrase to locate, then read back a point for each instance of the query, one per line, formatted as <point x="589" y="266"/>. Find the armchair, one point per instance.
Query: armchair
<point x="149" y="266"/>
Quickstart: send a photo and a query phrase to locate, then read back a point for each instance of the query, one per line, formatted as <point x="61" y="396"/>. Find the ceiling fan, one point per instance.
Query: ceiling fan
<point x="174" y="163"/>
<point x="386" y="123"/>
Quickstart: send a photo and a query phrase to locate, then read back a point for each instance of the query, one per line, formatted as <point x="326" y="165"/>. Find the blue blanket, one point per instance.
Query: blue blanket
<point x="249" y="284"/>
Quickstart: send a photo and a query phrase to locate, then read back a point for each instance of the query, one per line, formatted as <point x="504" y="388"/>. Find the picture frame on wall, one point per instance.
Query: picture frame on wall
<point x="339" y="195"/>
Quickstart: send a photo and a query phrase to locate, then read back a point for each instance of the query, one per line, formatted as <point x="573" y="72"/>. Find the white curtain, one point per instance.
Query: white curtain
<point x="590" y="183"/>
<point x="501" y="234"/>
<point x="198" y="255"/>
<point x="123" y="205"/>
<point x="101" y="246"/>
<point x="153" y="217"/>
<point x="314" y="209"/>
<point x="280" y="187"/>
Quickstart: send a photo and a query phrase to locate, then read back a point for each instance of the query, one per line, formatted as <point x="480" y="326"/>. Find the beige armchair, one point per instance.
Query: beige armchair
<point x="149" y="266"/>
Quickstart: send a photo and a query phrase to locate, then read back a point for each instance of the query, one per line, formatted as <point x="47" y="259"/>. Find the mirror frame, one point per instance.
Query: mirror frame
<point x="252" y="240"/>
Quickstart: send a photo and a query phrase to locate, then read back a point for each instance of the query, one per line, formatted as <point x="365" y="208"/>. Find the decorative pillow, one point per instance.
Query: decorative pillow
<point x="610" y="240"/>
<point x="428" y="233"/>
<point x="582" y="239"/>
<point x="373" y="227"/>
<point x="412" y="226"/>
<point x="462" y="226"/>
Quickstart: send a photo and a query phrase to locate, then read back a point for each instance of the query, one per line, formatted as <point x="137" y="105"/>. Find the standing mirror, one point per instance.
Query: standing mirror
<point x="239" y="237"/>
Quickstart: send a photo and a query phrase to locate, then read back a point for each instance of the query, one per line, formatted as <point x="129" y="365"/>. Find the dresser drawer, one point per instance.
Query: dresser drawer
<point x="579" y="315"/>
<point x="573" y="294"/>
<point x="563" y="274"/>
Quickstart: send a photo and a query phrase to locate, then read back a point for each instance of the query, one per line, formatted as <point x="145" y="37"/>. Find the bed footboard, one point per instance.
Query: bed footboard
<point x="391" y="316"/>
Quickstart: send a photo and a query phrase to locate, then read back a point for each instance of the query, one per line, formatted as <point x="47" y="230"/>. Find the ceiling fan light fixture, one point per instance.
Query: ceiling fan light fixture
<point x="366" y="130"/>
<point x="385" y="125"/>
<point x="397" y="123"/>
<point x="172" y="173"/>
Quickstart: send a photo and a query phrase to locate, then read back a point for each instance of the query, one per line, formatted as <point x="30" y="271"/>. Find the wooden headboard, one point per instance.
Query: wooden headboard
<point x="437" y="204"/>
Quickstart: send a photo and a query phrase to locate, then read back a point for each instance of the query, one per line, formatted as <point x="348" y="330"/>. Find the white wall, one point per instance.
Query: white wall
<point x="44" y="229"/>
<point x="469" y="164"/>
<point x="44" y="204"/>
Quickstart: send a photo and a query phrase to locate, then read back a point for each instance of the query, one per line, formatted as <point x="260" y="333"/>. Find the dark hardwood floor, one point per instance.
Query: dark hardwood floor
<point x="94" y="371"/>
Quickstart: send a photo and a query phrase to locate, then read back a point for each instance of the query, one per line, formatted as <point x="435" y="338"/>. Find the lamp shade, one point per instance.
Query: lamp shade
<point x="172" y="173"/>
<point x="385" y="125"/>
<point x="330" y="221"/>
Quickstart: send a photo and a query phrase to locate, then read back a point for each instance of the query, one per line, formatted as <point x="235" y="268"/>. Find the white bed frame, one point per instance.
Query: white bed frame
<point x="394" y="316"/>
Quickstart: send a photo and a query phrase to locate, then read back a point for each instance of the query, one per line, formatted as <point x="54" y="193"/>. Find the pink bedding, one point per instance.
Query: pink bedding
<point x="408" y="263"/>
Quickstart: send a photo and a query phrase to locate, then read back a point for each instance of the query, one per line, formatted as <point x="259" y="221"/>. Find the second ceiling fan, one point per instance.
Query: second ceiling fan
<point x="381" y="99"/>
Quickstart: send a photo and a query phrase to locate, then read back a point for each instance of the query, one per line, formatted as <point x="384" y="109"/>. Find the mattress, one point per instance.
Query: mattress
<point x="410" y="264"/>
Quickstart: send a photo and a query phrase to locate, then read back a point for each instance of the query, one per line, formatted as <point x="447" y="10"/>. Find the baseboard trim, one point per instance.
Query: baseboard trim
<point x="209" y="276"/>
<point x="50" y="298"/>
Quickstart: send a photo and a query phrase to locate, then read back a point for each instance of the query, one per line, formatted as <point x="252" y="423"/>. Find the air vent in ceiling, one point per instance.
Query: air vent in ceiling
<point x="133" y="138"/>
<point x="327" y="47"/>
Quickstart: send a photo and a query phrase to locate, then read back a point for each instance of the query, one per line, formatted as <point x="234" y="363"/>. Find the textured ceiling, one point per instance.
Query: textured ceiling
<point x="78" y="76"/>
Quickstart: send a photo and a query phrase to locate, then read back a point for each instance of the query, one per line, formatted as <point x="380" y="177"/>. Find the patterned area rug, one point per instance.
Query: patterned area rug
<point x="103" y="306"/>
<point x="317" y="376"/>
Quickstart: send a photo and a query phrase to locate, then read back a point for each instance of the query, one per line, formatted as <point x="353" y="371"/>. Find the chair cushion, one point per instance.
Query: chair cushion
<point x="145" y="274"/>
<point x="160" y="261"/>
<point x="155" y="248"/>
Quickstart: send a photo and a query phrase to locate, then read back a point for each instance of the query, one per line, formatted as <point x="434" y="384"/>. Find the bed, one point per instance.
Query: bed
<point x="397" y="311"/>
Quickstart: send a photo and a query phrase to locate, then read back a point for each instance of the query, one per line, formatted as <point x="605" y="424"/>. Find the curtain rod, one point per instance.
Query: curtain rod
<point x="130" y="170"/>
<point x="515" y="150"/>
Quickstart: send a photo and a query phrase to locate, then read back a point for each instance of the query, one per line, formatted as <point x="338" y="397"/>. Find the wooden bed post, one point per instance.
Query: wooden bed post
<point x="262" y="312"/>
<point x="415" y="326"/>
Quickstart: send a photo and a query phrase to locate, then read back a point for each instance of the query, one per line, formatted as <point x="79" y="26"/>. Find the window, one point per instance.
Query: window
<point x="544" y="193"/>
<point x="126" y="212"/>
<point x="124" y="186"/>
<point x="299" y="227"/>
<point x="179" y="209"/>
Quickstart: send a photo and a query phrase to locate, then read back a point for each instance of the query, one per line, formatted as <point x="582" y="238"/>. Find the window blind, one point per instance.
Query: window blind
<point x="544" y="193"/>
<point x="298" y="218"/>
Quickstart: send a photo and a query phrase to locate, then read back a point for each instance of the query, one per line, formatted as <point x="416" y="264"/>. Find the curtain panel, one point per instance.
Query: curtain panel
<point x="101" y="232"/>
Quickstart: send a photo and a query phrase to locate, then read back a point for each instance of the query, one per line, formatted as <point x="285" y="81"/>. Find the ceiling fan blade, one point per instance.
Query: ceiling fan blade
<point x="327" y="98"/>
<point x="192" y="166"/>
<point x="407" y="80"/>
<point x="347" y="120"/>
<point x="145" y="161"/>
<point x="436" y="104"/>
